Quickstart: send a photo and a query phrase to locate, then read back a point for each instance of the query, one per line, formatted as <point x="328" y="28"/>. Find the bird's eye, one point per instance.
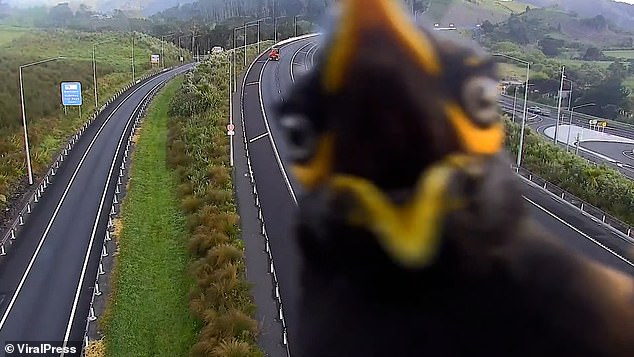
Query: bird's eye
<point x="480" y="95"/>
<point x="300" y="135"/>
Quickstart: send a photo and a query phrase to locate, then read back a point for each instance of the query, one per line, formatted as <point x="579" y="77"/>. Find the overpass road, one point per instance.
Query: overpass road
<point x="267" y="83"/>
<point x="46" y="278"/>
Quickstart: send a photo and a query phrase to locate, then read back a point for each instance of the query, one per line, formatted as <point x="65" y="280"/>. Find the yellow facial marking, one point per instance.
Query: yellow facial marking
<point x="475" y="140"/>
<point x="320" y="167"/>
<point x="474" y="61"/>
<point x="411" y="233"/>
<point x="376" y="15"/>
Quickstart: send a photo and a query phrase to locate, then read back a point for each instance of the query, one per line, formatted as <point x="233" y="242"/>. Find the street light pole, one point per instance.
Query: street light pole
<point x="94" y="74"/>
<point x="295" y="23"/>
<point x="521" y="144"/>
<point x="26" y="136"/>
<point x="163" y="37"/>
<point x="514" y="101"/>
<point x="572" y="110"/>
<point x="94" y="69"/>
<point x="561" y="88"/>
<point x="526" y="85"/>
<point x="133" y="75"/>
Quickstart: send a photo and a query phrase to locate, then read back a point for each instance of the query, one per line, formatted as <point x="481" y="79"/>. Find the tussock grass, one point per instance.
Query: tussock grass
<point x="198" y="152"/>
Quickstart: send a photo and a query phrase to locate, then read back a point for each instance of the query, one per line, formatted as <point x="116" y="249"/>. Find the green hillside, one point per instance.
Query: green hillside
<point x="467" y="13"/>
<point x="48" y="125"/>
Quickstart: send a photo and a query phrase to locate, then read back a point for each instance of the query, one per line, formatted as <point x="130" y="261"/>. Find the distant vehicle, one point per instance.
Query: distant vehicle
<point x="535" y="110"/>
<point x="274" y="55"/>
<point x="217" y="49"/>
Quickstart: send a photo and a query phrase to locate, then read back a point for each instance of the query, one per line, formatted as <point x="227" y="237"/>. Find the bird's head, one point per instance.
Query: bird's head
<point x="386" y="117"/>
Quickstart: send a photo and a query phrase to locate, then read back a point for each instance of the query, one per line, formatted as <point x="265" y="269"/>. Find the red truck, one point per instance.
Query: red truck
<point x="274" y="55"/>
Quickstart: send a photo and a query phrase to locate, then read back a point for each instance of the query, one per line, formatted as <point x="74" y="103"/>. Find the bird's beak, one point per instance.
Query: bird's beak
<point x="360" y="19"/>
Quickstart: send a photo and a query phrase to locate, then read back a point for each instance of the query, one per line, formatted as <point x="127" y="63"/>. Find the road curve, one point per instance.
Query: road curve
<point x="46" y="279"/>
<point x="267" y="83"/>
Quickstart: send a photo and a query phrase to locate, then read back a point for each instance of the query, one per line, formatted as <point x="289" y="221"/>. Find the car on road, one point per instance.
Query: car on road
<point x="274" y="55"/>
<point x="535" y="110"/>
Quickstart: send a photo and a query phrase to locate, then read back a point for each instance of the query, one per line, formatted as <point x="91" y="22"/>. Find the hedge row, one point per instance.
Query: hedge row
<point x="598" y="185"/>
<point x="199" y="152"/>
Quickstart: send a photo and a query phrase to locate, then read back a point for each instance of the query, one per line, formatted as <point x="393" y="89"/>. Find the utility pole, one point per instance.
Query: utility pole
<point x="274" y="24"/>
<point x="561" y="88"/>
<point x="133" y="76"/>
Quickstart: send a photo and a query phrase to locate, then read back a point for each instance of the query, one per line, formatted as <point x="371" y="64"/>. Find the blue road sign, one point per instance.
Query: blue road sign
<point x="71" y="93"/>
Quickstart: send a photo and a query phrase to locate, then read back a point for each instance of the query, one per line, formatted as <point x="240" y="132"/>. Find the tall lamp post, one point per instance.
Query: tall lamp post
<point x="526" y="85"/>
<point x="561" y="89"/>
<point x="295" y="22"/>
<point x="180" y="49"/>
<point x="26" y="136"/>
<point x="133" y="74"/>
<point x="163" y="37"/>
<point x="260" y="20"/>
<point x="94" y="68"/>
<point x="572" y="110"/>
<point x="275" y="26"/>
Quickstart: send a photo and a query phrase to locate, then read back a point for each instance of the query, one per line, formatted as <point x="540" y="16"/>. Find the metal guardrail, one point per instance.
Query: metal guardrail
<point x="20" y="220"/>
<point x="114" y="209"/>
<point x="619" y="227"/>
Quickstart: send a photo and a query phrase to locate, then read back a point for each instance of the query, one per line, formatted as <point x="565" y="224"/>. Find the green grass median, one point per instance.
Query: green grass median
<point x="148" y="311"/>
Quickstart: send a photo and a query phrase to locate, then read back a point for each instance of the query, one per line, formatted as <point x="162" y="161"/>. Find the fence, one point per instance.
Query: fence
<point x="21" y="217"/>
<point x="619" y="227"/>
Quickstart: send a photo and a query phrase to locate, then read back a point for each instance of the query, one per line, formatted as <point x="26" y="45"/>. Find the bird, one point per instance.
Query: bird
<point x="412" y="230"/>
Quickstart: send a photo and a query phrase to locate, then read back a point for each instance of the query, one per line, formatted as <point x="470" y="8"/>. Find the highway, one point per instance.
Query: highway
<point x="47" y="277"/>
<point x="266" y="83"/>
<point x="618" y="156"/>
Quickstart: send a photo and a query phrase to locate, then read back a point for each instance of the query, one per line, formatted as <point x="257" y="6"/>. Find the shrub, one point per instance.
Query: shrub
<point x="598" y="185"/>
<point x="198" y="153"/>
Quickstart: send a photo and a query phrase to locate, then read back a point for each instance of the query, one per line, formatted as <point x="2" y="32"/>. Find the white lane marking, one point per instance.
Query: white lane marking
<point x="293" y="60"/>
<point x="258" y="137"/>
<point x="99" y="211"/>
<point x="579" y="231"/>
<point x="268" y="130"/>
<point x="312" y="56"/>
<point x="252" y="84"/>
<point x="59" y="205"/>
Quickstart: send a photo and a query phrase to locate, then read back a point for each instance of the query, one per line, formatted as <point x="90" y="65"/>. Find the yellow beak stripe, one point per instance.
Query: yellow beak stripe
<point x="411" y="233"/>
<point x="319" y="168"/>
<point x="362" y="15"/>
<point x="475" y="140"/>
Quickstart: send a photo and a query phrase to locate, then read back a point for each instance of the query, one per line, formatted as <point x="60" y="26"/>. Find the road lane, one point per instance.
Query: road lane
<point x="39" y="277"/>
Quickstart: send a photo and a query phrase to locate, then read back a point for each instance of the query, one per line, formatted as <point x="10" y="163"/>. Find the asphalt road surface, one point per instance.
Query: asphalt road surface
<point x="614" y="151"/>
<point x="267" y="83"/>
<point x="46" y="279"/>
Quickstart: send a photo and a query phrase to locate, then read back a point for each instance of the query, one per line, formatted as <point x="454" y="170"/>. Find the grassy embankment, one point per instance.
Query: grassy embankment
<point x="198" y="151"/>
<point x="600" y="186"/>
<point x="180" y="200"/>
<point x="147" y="314"/>
<point x="48" y="126"/>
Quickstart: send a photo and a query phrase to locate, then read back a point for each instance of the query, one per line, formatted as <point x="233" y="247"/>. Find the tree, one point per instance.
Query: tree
<point x="487" y="26"/>
<point x="617" y="70"/>
<point x="60" y="15"/>
<point x="550" y="47"/>
<point x="593" y="54"/>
